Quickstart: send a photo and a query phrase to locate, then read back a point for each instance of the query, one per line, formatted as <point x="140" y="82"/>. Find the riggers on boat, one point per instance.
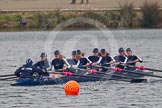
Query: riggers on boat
<point x="79" y="76"/>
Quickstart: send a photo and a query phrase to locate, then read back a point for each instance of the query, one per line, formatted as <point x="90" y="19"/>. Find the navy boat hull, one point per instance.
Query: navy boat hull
<point x="53" y="81"/>
<point x="44" y="80"/>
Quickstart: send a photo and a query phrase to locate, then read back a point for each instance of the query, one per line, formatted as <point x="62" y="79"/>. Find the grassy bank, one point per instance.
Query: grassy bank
<point x="126" y="17"/>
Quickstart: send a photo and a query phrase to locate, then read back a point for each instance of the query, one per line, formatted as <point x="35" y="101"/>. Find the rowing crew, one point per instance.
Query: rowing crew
<point x="60" y="64"/>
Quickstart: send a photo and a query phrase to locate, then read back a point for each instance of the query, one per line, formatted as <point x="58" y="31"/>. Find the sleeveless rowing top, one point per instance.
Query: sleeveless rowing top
<point x="121" y="59"/>
<point x="94" y="59"/>
<point x="133" y="58"/>
<point x="73" y="62"/>
<point x="58" y="63"/>
<point x="83" y="61"/>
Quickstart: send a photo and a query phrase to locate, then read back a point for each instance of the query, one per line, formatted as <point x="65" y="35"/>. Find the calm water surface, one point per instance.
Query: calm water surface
<point x="16" y="47"/>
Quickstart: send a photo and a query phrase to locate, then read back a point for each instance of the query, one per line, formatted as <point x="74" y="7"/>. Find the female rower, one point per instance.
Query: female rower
<point x="132" y="59"/>
<point x="59" y="64"/>
<point x="120" y="59"/>
<point x="83" y="61"/>
<point x="74" y="62"/>
<point x="43" y="65"/>
<point x="107" y="60"/>
<point x="95" y="58"/>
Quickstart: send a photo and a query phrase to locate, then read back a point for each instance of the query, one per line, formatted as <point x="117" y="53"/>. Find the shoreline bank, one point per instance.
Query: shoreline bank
<point x="46" y="15"/>
<point x="47" y="20"/>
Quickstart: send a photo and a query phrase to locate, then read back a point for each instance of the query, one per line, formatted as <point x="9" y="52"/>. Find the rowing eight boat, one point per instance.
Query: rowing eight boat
<point x="82" y="76"/>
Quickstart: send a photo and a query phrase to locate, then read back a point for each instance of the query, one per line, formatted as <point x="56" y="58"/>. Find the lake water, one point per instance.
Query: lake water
<point x="16" y="47"/>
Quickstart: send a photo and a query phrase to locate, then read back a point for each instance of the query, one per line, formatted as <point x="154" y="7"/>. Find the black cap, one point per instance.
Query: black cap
<point x="78" y="52"/>
<point x="121" y="50"/>
<point x="128" y="49"/>
<point x="103" y="51"/>
<point x="74" y="53"/>
<point x="43" y="54"/>
<point x="56" y="52"/>
<point x="29" y="61"/>
<point x="95" y="50"/>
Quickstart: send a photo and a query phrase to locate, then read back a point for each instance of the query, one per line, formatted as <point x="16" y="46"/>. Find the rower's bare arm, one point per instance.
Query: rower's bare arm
<point x="135" y="61"/>
<point x="63" y="69"/>
<point x="117" y="63"/>
<point x="112" y="62"/>
<point x="52" y="69"/>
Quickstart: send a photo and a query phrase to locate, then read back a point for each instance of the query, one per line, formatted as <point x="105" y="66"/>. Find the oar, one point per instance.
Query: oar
<point x="93" y="71"/>
<point x="125" y="80"/>
<point x="153" y="69"/>
<point x="7" y="75"/>
<point x="133" y="80"/>
<point x="115" y="75"/>
<point x="140" y="73"/>
<point x="122" y="70"/>
<point x="7" y="78"/>
<point x="144" y="68"/>
<point x="141" y="68"/>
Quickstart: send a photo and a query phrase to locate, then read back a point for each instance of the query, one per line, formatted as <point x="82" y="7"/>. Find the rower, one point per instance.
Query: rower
<point x="107" y="60"/>
<point x="95" y="58"/>
<point x="25" y="70"/>
<point x="83" y="61"/>
<point x="59" y="64"/>
<point x="120" y="59"/>
<point x="132" y="59"/>
<point x="43" y="65"/>
<point x="74" y="62"/>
